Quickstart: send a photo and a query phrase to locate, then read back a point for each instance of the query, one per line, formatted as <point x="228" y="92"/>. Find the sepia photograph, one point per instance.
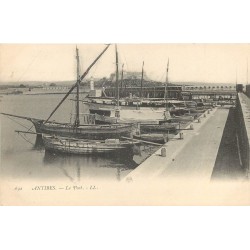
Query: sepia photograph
<point x="124" y="124"/>
<point x="105" y="120"/>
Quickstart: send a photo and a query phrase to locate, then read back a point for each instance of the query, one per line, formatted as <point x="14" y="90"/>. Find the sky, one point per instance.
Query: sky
<point x="212" y="63"/>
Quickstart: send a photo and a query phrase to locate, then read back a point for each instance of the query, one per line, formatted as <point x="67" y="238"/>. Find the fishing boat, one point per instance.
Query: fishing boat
<point x="87" y="147"/>
<point x="133" y="103"/>
<point x="182" y="119"/>
<point x="83" y="131"/>
<point x="155" y="138"/>
<point x="89" y="129"/>
<point x="155" y="112"/>
<point x="164" y="127"/>
<point x="123" y="116"/>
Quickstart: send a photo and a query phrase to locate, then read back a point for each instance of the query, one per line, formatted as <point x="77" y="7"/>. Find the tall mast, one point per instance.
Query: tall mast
<point x="166" y="85"/>
<point x="77" y="120"/>
<point x="142" y="73"/>
<point x="236" y="76"/>
<point x="117" y="76"/>
<point x="247" y="71"/>
<point x="122" y="76"/>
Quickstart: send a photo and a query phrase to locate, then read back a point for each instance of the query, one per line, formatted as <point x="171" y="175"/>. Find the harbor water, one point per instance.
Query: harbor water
<point x="20" y="159"/>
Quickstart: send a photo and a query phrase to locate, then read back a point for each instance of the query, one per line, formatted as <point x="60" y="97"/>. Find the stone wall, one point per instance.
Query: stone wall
<point x="243" y="129"/>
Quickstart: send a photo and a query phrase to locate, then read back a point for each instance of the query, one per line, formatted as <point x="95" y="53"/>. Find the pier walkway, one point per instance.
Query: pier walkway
<point x="192" y="156"/>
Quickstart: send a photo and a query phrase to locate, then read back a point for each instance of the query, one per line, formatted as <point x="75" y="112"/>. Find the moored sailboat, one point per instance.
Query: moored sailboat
<point x="88" y="130"/>
<point x="63" y="145"/>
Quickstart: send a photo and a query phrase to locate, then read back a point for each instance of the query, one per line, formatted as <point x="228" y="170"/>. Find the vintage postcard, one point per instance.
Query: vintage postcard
<point x="124" y="124"/>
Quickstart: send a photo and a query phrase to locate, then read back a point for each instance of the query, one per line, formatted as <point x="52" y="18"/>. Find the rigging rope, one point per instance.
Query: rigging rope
<point x="19" y="133"/>
<point x="19" y="123"/>
<point x="125" y="59"/>
<point x="26" y="139"/>
<point x="29" y="65"/>
<point x="30" y="128"/>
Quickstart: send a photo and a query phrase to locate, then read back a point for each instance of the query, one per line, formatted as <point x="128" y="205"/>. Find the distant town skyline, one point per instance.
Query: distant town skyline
<point x="209" y="63"/>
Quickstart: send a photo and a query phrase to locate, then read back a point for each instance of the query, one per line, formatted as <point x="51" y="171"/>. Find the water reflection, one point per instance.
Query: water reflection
<point x="77" y="168"/>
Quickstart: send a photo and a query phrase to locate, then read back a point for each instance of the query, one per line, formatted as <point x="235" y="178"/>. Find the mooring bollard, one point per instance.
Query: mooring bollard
<point x="208" y="111"/>
<point x="191" y="126"/>
<point x="204" y="115"/>
<point x="137" y="129"/>
<point x="199" y="120"/>
<point x="138" y="132"/>
<point x="181" y="136"/>
<point x="165" y="137"/>
<point x="163" y="152"/>
<point x="129" y="179"/>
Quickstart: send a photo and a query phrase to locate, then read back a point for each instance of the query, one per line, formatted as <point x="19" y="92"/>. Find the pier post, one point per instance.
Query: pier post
<point x="138" y="130"/>
<point x="181" y="136"/>
<point x="165" y="137"/>
<point x="191" y="126"/>
<point x="163" y="152"/>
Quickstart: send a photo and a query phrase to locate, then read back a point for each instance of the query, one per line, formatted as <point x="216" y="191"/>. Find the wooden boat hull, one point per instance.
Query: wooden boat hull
<point x="93" y="132"/>
<point x="178" y="112"/>
<point x="157" y="138"/>
<point x="127" y="105"/>
<point x="87" y="147"/>
<point x="165" y="127"/>
<point x="182" y="119"/>
<point x="197" y="111"/>
<point x="101" y="119"/>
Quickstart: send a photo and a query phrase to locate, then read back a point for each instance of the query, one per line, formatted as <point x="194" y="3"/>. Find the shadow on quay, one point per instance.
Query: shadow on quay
<point x="227" y="165"/>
